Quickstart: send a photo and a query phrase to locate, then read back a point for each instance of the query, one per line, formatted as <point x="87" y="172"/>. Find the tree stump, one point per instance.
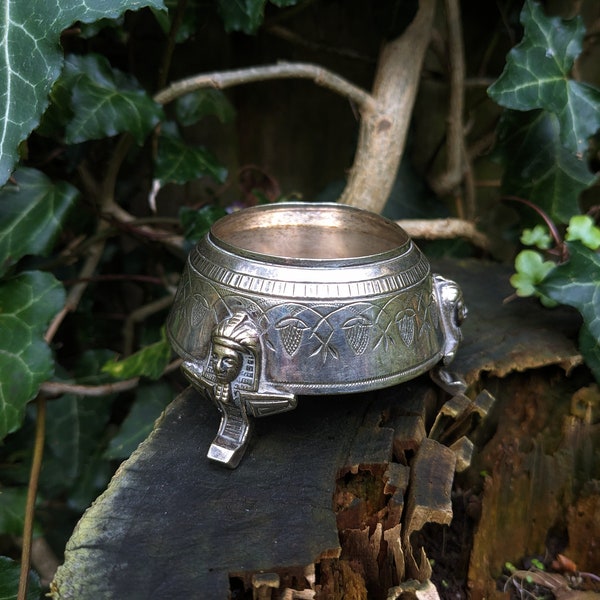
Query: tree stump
<point x="326" y="501"/>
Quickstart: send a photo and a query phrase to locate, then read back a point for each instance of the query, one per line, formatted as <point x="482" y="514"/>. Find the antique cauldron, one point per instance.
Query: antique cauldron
<point x="306" y="298"/>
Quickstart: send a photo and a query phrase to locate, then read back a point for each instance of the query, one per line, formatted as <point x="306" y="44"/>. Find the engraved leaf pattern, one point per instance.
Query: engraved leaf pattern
<point x="407" y="322"/>
<point x="198" y="311"/>
<point x="356" y="330"/>
<point x="291" y="330"/>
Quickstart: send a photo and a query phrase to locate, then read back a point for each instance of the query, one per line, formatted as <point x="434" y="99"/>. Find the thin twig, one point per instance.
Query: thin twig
<point x="36" y="466"/>
<point x="176" y="22"/>
<point x="57" y="388"/>
<point x="290" y="36"/>
<point x="453" y="173"/>
<point x="117" y="277"/>
<point x="225" y="79"/>
<point x="139" y="314"/>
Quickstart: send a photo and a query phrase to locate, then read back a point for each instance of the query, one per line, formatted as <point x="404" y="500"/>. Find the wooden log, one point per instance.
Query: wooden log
<point x="173" y="525"/>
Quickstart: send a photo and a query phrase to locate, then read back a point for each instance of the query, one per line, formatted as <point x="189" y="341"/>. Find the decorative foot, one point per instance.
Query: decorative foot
<point x="229" y="445"/>
<point x="231" y="379"/>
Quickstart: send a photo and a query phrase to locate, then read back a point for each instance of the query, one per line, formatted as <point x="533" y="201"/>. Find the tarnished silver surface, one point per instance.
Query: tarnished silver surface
<point x="306" y="298"/>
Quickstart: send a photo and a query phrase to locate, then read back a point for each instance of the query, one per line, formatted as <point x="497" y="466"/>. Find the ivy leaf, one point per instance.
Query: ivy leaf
<point x="178" y="162"/>
<point x="246" y="15"/>
<point x="577" y="284"/>
<point x="590" y="350"/>
<point x="9" y="581"/>
<point x="538" y="237"/>
<point x="32" y="212"/>
<point x="582" y="228"/>
<point x="31" y="60"/>
<point x="196" y="223"/>
<point x="12" y="510"/>
<point x="242" y="15"/>
<point x="537" y="72"/>
<point x="531" y="270"/>
<point x="104" y="101"/>
<point x="150" y="401"/>
<point x="27" y="303"/>
<point x="194" y="106"/>
<point x="75" y="428"/>
<point x="187" y="28"/>
<point x="538" y="167"/>
<point x="149" y="362"/>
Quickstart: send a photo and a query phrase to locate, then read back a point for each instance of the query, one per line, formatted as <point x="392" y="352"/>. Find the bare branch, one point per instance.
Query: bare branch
<point x="448" y="180"/>
<point x="56" y="388"/>
<point x="225" y="79"/>
<point x="384" y="128"/>
<point x="445" y="229"/>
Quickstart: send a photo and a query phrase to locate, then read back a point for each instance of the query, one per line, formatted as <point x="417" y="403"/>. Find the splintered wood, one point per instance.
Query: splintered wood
<point x="399" y="481"/>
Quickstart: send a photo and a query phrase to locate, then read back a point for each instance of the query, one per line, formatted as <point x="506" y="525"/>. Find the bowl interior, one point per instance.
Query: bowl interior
<point x="308" y="231"/>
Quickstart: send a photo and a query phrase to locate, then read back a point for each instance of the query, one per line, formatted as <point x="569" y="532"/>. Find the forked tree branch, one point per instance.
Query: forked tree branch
<point x="384" y="128"/>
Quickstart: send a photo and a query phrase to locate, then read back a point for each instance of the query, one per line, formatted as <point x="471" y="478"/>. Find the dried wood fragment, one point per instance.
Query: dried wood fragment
<point x="409" y="432"/>
<point x="429" y="500"/>
<point x="431" y="478"/>
<point x="463" y="449"/>
<point x="263" y="584"/>
<point x="414" y="589"/>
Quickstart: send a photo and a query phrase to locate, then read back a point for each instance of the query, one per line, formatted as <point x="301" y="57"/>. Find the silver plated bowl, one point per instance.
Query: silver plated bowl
<point x="298" y="298"/>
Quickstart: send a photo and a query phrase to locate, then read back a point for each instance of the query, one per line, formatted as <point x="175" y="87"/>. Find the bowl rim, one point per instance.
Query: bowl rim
<point x="219" y="237"/>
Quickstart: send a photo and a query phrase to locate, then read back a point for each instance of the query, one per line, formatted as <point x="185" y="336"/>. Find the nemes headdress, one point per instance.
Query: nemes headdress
<point x="237" y="331"/>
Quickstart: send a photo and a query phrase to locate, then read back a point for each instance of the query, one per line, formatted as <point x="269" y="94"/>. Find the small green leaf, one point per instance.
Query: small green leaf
<point x="538" y="166"/>
<point x="149" y="362"/>
<point x="538" y="237"/>
<point x="178" y="162"/>
<point x="32" y="213"/>
<point x="31" y="60"/>
<point x="531" y="270"/>
<point x="106" y="101"/>
<point x="582" y="228"/>
<point x="204" y="102"/>
<point x="537" y="75"/>
<point x="150" y="401"/>
<point x="10" y="571"/>
<point x="196" y="223"/>
<point x="27" y="304"/>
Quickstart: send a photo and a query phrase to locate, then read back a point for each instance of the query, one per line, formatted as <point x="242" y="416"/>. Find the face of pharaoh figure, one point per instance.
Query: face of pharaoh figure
<point x="227" y="363"/>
